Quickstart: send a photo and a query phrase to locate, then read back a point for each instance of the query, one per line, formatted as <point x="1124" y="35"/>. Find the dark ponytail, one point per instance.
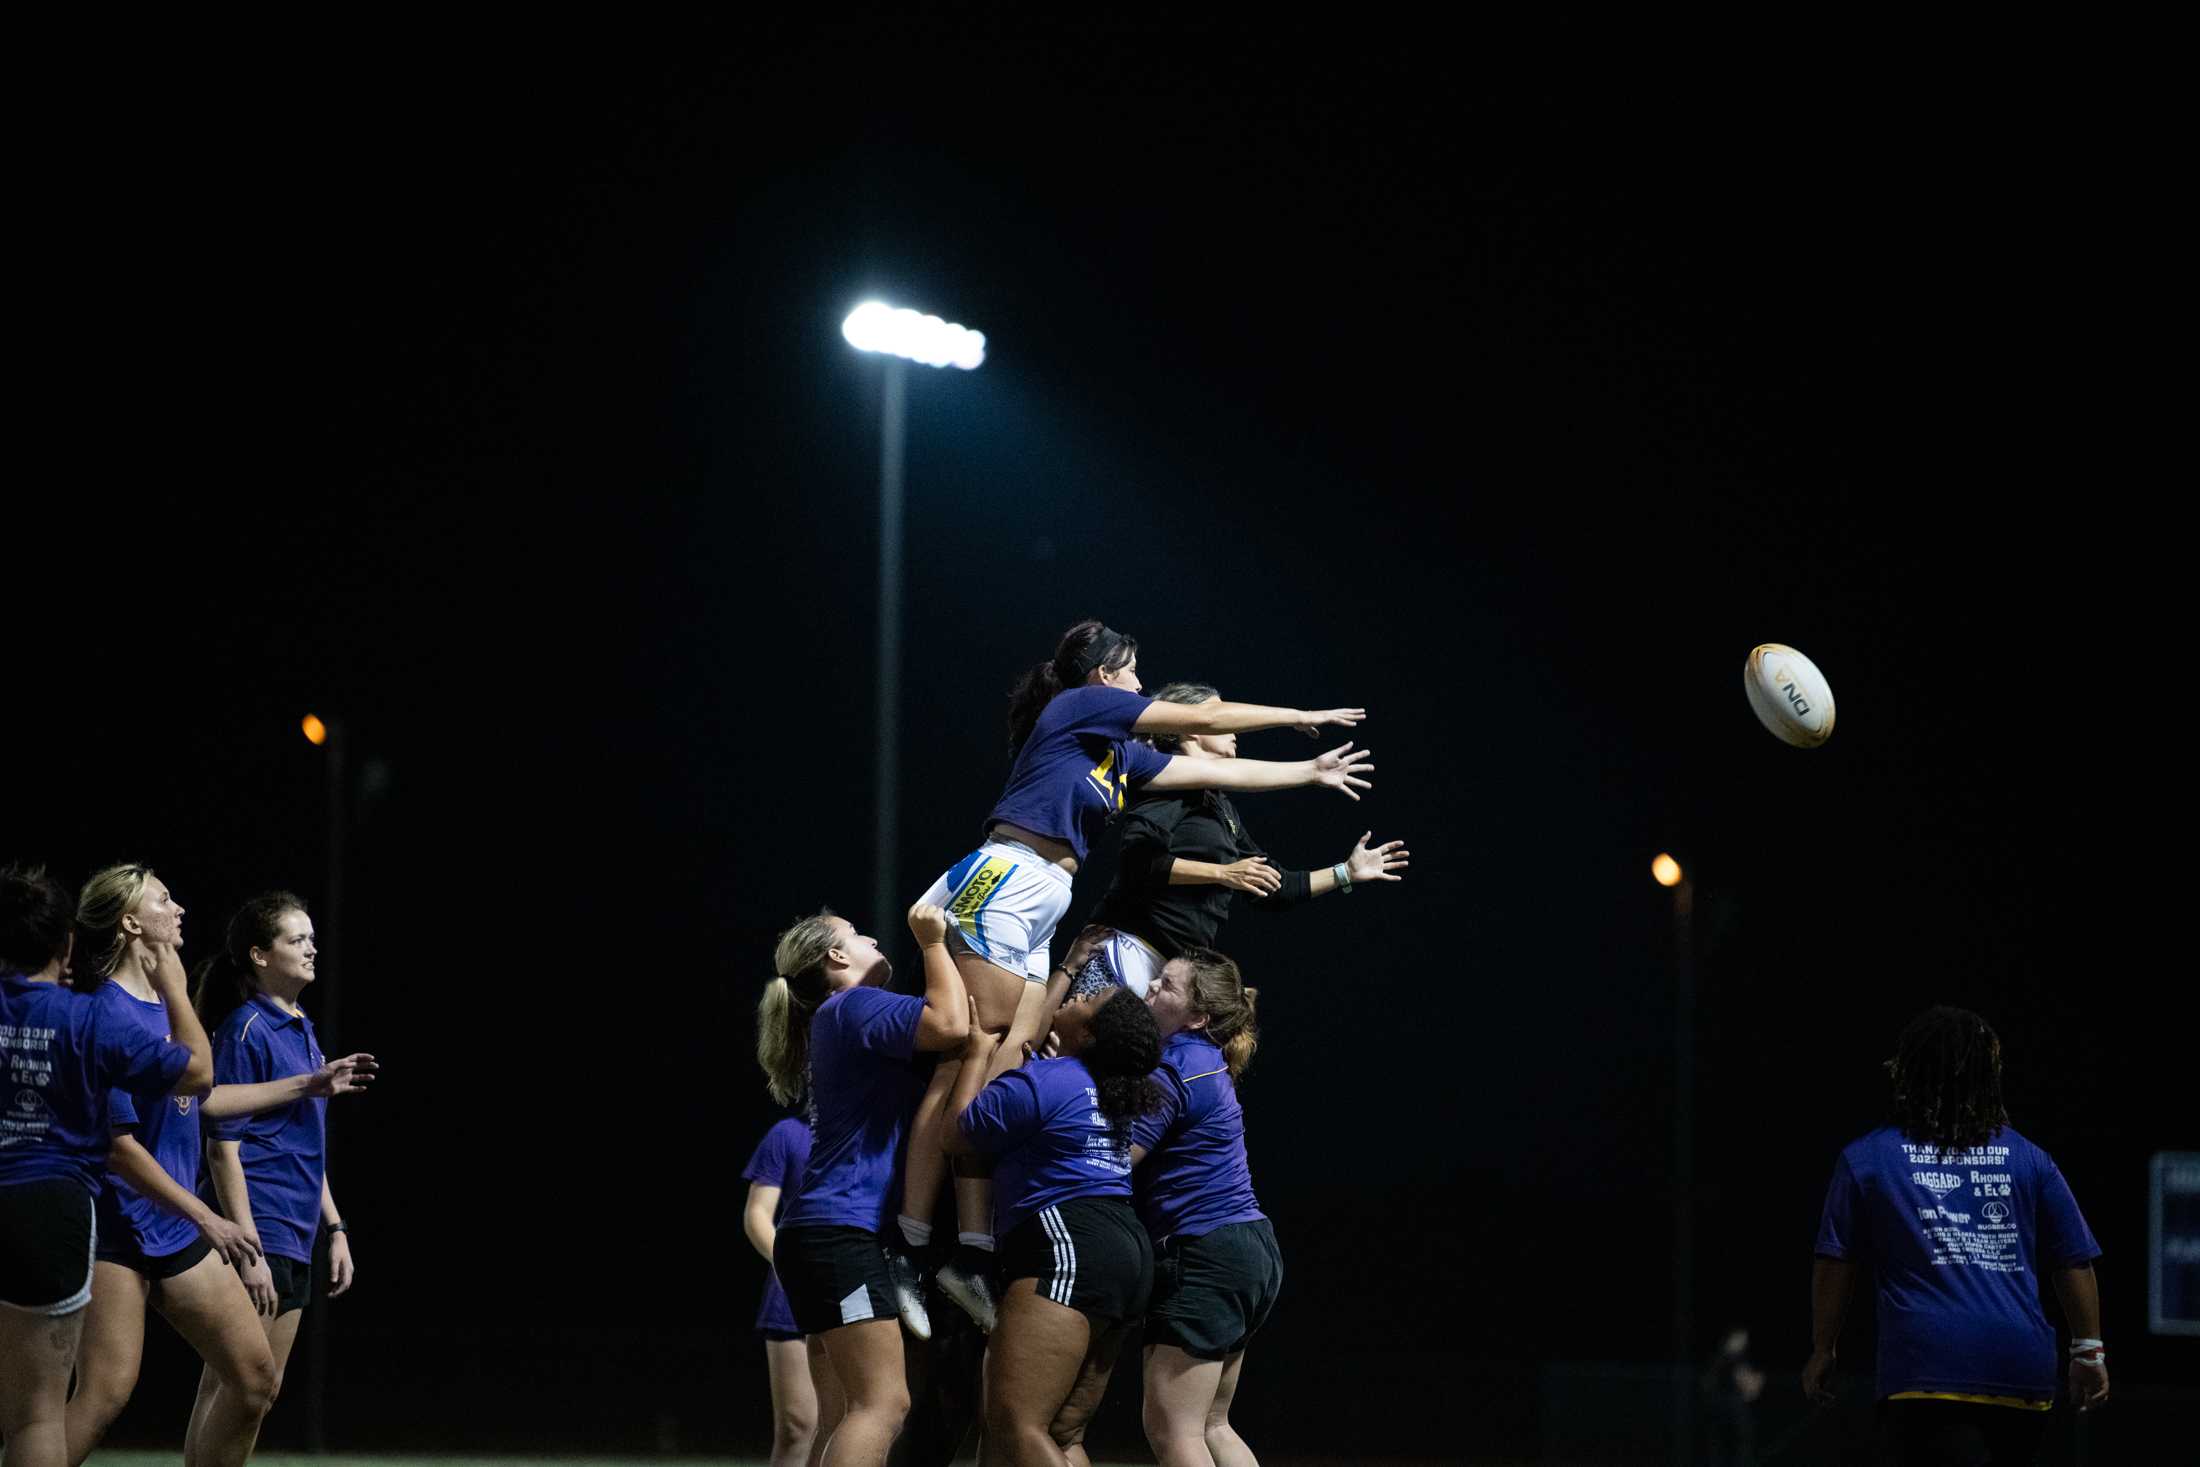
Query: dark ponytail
<point x="224" y="981"/>
<point x="1121" y="1056"/>
<point x="1088" y="647"/>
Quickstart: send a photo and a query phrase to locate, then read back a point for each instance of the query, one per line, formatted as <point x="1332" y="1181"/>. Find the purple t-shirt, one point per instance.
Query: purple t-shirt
<point x="778" y="1162"/>
<point x="1958" y="1241"/>
<point x="865" y="1082"/>
<point x="165" y="1125"/>
<point x="63" y="1054"/>
<point x="1071" y="775"/>
<point x="1194" y="1179"/>
<point x="1049" y="1143"/>
<point x="285" y="1150"/>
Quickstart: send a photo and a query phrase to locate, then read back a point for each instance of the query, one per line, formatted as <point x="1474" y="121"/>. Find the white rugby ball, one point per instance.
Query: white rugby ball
<point x="1789" y="695"/>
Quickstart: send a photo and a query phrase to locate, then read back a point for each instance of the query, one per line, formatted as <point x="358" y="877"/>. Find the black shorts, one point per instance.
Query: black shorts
<point x="1936" y="1433"/>
<point x="165" y="1266"/>
<point x="833" y="1276"/>
<point x="46" y="1237"/>
<point x="293" y="1283"/>
<point x="1213" y="1292"/>
<point x="1090" y="1253"/>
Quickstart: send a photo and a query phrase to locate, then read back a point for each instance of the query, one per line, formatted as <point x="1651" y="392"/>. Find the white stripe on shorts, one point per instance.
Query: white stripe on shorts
<point x="1065" y="1256"/>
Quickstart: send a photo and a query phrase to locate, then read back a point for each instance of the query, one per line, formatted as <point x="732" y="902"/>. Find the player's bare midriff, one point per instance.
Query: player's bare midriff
<point x="1046" y="845"/>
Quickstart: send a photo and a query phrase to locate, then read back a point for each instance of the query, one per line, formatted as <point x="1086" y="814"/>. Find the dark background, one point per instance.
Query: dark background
<point x="488" y="394"/>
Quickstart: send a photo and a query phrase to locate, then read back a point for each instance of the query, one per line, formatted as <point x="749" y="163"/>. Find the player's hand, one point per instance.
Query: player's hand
<point x="339" y="1264"/>
<point x="1377" y="864"/>
<point x="1315" y="721"/>
<point x="346" y="1076"/>
<point x="1050" y="1050"/>
<point x="1341" y="769"/>
<point x="1081" y="951"/>
<point x="977" y="1044"/>
<point x="235" y="1245"/>
<point x="2089" y="1384"/>
<point x="1818" y="1378"/>
<point x="928" y="924"/>
<point x="259" y="1286"/>
<point x="1252" y="874"/>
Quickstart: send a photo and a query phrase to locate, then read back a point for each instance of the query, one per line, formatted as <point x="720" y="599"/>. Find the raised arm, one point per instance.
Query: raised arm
<point x="346" y="1076"/>
<point x="1340" y="769"/>
<point x="978" y="1049"/>
<point x="1218" y="717"/>
<point x="128" y="1159"/>
<point x="163" y="966"/>
<point x="946" y="1017"/>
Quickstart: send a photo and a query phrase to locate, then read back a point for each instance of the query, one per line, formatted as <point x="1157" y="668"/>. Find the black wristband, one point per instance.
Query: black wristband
<point x="335" y="1227"/>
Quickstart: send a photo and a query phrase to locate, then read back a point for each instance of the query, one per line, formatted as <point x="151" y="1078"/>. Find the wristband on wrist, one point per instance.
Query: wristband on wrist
<point x="335" y="1227"/>
<point x="1344" y="877"/>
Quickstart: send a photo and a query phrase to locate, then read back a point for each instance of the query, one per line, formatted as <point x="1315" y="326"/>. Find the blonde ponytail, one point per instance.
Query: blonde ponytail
<point x="783" y="1013"/>
<point x="1219" y="995"/>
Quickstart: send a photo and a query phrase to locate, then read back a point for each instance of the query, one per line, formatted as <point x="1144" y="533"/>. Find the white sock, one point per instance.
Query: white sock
<point x="976" y="1240"/>
<point x="918" y="1234"/>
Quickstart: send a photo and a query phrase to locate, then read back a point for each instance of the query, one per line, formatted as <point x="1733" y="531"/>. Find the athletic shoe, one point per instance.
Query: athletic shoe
<point x="908" y="1283"/>
<point x="967" y="1278"/>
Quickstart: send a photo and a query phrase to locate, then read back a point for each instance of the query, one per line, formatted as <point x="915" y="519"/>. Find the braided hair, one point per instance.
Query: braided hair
<point x="1947" y="1080"/>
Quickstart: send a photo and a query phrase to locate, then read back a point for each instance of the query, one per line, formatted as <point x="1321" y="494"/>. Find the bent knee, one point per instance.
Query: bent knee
<point x="794" y="1424"/>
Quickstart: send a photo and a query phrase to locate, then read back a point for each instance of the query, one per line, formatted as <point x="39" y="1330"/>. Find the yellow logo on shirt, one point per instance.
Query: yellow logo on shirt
<point x="977" y="891"/>
<point x="1108" y="780"/>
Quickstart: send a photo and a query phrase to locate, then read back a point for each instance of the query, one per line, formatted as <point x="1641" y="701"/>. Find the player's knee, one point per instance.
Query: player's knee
<point x="255" y="1383"/>
<point x="793" y="1425"/>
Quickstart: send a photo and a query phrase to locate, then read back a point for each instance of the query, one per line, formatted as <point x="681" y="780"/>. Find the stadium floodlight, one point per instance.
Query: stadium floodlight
<point x="913" y="336"/>
<point x="901" y="336"/>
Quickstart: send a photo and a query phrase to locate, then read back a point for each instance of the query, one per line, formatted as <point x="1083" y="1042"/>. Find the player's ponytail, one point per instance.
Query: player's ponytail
<point x="1087" y="647"/>
<point x="783" y="1013"/>
<point x="1121" y="1055"/>
<point x="1219" y="995"/>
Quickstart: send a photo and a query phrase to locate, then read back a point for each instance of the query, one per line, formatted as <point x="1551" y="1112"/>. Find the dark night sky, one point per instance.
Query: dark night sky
<point x="495" y="400"/>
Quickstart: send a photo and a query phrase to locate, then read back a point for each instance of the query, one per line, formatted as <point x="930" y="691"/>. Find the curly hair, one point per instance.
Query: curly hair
<point x="1947" y="1080"/>
<point x="1121" y="1056"/>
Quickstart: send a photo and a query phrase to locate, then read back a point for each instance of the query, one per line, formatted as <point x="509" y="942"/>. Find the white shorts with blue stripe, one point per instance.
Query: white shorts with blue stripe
<point x="1003" y="902"/>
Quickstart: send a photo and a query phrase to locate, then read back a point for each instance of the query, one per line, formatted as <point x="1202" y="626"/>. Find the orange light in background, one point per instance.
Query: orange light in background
<point x="1666" y="870"/>
<point x="317" y="733"/>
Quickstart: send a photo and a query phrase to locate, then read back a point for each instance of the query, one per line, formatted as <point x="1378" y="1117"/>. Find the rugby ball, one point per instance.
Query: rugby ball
<point x="1789" y="695"/>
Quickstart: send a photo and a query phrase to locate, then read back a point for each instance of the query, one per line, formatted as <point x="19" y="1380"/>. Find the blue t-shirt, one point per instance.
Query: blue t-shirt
<point x="865" y="1082"/>
<point x="1070" y="777"/>
<point x="778" y="1162"/>
<point x="285" y="1150"/>
<point x="1049" y="1142"/>
<point x="63" y="1054"/>
<point x="1194" y="1178"/>
<point x="166" y="1126"/>
<point x="1958" y="1241"/>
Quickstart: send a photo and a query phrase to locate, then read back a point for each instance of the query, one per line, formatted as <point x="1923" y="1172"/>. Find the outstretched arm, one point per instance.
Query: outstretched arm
<point x="1340" y="769"/>
<point x="337" y="1077"/>
<point x="1218" y="717"/>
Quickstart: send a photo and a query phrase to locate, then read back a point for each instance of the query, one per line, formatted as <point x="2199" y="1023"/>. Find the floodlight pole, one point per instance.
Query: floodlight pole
<point x="1684" y="1172"/>
<point x="886" y="887"/>
<point x="327" y="969"/>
